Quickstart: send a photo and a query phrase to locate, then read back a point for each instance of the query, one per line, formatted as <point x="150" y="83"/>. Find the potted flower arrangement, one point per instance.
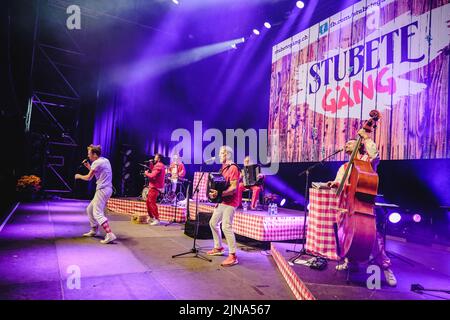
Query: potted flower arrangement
<point x="28" y="187"/>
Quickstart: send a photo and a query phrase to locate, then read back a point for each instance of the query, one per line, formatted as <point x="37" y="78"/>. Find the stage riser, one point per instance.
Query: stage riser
<point x="255" y="225"/>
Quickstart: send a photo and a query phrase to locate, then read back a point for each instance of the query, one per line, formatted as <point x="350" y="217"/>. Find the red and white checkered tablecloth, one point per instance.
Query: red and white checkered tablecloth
<point x="130" y="207"/>
<point x="298" y="287"/>
<point x="320" y="238"/>
<point x="259" y="225"/>
<point x="202" y="187"/>
<point x="202" y="207"/>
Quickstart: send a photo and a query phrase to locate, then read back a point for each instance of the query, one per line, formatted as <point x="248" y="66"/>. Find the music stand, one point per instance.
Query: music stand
<point x="306" y="172"/>
<point x="194" y="249"/>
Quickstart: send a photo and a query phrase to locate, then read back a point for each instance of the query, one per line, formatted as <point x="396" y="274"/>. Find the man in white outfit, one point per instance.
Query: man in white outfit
<point x="101" y="169"/>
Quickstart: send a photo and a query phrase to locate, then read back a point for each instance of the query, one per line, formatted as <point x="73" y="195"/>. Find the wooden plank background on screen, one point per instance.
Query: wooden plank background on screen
<point x="415" y="121"/>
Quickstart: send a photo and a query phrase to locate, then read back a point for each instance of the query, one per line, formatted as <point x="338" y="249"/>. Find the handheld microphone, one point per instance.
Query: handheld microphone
<point x="83" y="163"/>
<point x="210" y="160"/>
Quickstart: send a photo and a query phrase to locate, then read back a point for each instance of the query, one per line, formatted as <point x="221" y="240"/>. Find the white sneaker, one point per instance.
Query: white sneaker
<point x="390" y="277"/>
<point x="155" y="222"/>
<point x="91" y="233"/>
<point x="110" y="237"/>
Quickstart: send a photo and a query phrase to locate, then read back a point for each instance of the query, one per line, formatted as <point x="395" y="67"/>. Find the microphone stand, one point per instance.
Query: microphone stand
<point x="194" y="249"/>
<point x="306" y="172"/>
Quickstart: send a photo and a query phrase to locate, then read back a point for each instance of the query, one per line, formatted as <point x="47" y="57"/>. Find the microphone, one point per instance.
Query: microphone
<point x="210" y="160"/>
<point x="337" y="151"/>
<point x="83" y="163"/>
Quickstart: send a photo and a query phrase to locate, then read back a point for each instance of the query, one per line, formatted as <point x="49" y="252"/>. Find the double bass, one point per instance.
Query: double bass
<point x="356" y="228"/>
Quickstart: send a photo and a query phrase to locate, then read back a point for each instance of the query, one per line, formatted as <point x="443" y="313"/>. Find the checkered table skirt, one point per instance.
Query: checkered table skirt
<point x="259" y="225"/>
<point x="203" y="185"/>
<point x="320" y="238"/>
<point x="130" y="207"/>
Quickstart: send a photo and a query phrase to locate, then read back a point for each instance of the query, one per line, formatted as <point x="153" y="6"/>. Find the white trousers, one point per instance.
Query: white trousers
<point x="96" y="209"/>
<point x="223" y="214"/>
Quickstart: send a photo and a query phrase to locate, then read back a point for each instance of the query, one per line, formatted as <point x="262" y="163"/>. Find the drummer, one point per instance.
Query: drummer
<point x="176" y="171"/>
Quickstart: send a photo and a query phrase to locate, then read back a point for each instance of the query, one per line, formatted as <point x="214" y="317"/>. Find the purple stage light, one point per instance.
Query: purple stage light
<point x="176" y="2"/>
<point x="267" y="25"/>
<point x="300" y="4"/>
<point x="395" y="217"/>
<point x="256" y="31"/>
<point x="417" y="218"/>
<point x="283" y="202"/>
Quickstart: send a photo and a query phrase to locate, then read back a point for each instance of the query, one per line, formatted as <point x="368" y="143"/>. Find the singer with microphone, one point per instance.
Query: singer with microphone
<point x="156" y="175"/>
<point x="101" y="169"/>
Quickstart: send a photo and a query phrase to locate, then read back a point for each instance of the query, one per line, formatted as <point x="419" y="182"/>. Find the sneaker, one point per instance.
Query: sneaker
<point x="343" y="266"/>
<point x="155" y="222"/>
<point x="231" y="260"/>
<point x="91" y="233"/>
<point x="110" y="237"/>
<point x="390" y="277"/>
<point x="216" y="252"/>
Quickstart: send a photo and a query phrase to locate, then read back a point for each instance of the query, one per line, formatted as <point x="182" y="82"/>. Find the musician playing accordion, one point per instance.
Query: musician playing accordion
<point x="256" y="188"/>
<point x="224" y="212"/>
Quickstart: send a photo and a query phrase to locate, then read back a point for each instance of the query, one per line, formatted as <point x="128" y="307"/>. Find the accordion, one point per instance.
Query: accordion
<point x="217" y="182"/>
<point x="250" y="175"/>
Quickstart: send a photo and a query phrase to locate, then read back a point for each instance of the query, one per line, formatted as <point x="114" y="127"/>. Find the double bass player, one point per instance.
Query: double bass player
<point x="367" y="152"/>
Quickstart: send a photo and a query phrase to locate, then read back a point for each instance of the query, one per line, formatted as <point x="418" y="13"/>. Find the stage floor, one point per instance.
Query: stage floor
<point x="41" y="246"/>
<point x="412" y="264"/>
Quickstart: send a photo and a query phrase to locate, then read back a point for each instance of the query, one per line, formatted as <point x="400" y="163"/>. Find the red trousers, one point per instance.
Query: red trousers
<point x="255" y="194"/>
<point x="152" y="208"/>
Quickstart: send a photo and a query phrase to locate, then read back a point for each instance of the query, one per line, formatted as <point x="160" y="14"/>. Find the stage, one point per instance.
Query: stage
<point x="413" y="264"/>
<point x="41" y="246"/>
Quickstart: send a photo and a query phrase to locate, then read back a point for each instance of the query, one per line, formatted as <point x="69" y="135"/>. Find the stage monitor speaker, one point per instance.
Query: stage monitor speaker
<point x="204" y="230"/>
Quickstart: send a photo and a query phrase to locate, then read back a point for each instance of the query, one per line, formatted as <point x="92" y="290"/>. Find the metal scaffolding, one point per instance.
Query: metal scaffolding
<point x="54" y="105"/>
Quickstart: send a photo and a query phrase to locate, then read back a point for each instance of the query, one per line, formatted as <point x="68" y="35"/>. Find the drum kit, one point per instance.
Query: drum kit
<point x="174" y="189"/>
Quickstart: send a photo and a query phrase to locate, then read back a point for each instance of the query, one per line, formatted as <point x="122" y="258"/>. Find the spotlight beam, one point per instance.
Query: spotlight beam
<point x="152" y="67"/>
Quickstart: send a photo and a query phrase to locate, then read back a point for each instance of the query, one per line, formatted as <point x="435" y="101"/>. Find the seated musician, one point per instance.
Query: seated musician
<point x="367" y="152"/>
<point x="176" y="171"/>
<point x="256" y="189"/>
<point x="224" y="212"/>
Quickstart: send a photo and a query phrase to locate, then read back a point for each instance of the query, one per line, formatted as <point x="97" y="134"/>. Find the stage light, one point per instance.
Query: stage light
<point x="234" y="46"/>
<point x="242" y="40"/>
<point x="127" y="164"/>
<point x="267" y="25"/>
<point x="417" y="218"/>
<point x="176" y="2"/>
<point x="256" y="31"/>
<point x="126" y="176"/>
<point x="395" y="217"/>
<point x="283" y="202"/>
<point x="300" y="4"/>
